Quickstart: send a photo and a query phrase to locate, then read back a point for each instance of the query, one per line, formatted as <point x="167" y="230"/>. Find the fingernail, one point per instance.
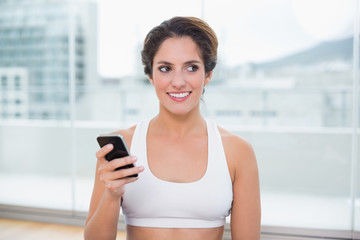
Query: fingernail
<point x="141" y="168"/>
<point x="133" y="158"/>
<point x="108" y="146"/>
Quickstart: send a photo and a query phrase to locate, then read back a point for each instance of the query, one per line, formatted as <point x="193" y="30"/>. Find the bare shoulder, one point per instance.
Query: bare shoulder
<point x="127" y="134"/>
<point x="239" y="152"/>
<point x="234" y="143"/>
<point x="246" y="207"/>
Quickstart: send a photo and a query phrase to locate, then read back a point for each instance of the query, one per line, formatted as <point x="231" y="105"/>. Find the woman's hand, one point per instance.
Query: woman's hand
<point x="115" y="181"/>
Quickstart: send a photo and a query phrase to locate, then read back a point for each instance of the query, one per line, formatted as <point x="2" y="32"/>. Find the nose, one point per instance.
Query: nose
<point x="178" y="80"/>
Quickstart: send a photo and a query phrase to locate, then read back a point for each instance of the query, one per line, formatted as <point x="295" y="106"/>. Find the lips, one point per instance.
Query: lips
<point x="179" y="96"/>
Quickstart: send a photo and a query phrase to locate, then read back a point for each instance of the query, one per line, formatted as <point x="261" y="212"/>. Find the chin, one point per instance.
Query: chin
<point x="182" y="111"/>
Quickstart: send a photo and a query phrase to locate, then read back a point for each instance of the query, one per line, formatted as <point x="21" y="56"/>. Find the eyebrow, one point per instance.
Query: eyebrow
<point x="187" y="62"/>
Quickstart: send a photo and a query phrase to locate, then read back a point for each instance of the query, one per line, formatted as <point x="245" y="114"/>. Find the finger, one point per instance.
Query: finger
<point x="127" y="172"/>
<point x="103" y="151"/>
<point x="107" y="177"/>
<point x="114" y="186"/>
<point x="121" y="162"/>
<point x="109" y="167"/>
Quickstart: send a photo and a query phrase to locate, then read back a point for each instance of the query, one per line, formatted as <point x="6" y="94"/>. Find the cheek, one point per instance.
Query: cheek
<point x="198" y="81"/>
<point x="159" y="81"/>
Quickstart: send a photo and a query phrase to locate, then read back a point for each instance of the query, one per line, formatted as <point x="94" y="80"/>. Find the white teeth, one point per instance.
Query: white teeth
<point x="179" y="95"/>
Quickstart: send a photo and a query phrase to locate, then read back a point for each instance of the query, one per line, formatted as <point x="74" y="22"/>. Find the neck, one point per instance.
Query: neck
<point x="179" y="125"/>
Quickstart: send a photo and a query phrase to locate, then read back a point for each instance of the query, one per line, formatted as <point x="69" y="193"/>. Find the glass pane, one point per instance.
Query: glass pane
<point x="35" y="146"/>
<point x="284" y="82"/>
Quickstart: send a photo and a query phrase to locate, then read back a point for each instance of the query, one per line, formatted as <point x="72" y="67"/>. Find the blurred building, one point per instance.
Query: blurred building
<point x="47" y="42"/>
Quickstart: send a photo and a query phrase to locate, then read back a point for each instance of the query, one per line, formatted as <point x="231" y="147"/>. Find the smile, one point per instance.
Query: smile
<point x="179" y="96"/>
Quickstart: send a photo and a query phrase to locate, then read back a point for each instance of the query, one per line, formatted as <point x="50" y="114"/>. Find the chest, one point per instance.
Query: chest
<point x="173" y="160"/>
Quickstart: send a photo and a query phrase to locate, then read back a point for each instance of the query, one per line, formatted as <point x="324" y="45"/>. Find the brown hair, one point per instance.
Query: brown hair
<point x="199" y="31"/>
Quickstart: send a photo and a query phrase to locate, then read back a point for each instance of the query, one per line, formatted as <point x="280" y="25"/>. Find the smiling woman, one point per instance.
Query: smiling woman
<point x="192" y="173"/>
<point x="275" y="84"/>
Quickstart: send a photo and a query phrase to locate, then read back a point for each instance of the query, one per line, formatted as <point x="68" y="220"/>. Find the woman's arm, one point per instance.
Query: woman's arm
<point x="106" y="198"/>
<point x="246" y="210"/>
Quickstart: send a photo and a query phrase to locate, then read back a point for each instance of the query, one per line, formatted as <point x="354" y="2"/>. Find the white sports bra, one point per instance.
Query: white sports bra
<point x="205" y="203"/>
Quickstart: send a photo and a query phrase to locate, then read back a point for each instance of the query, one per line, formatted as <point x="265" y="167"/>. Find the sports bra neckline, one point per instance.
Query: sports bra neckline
<point x="156" y="178"/>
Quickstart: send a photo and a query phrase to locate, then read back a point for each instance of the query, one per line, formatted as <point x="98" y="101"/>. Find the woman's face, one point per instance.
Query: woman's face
<point x="179" y="75"/>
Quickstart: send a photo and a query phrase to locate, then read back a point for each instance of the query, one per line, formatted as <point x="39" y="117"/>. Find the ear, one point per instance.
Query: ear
<point x="208" y="77"/>
<point x="151" y="80"/>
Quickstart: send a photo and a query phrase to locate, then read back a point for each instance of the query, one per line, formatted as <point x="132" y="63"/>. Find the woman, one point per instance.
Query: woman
<point x="191" y="172"/>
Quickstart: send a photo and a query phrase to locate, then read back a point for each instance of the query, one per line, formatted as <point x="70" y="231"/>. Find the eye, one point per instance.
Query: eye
<point x="192" y="68"/>
<point x="164" y="69"/>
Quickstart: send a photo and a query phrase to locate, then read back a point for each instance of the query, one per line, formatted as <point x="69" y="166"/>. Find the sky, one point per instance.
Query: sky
<point x="248" y="31"/>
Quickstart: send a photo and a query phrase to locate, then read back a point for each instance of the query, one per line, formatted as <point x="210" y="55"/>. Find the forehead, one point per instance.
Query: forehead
<point x="178" y="49"/>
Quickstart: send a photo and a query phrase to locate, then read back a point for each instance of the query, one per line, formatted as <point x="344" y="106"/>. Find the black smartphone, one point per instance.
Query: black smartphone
<point x="120" y="149"/>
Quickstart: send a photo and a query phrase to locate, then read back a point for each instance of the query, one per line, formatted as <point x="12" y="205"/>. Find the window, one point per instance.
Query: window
<point x="17" y="82"/>
<point x="284" y="81"/>
<point x="18" y="101"/>
<point x="4" y="82"/>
